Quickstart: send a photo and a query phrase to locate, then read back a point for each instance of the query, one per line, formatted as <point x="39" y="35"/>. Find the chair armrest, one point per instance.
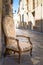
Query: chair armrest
<point x="12" y="38"/>
<point x="25" y="37"/>
<point x="22" y="36"/>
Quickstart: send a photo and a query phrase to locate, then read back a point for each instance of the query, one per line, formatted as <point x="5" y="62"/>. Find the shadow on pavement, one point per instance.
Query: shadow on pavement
<point x="13" y="60"/>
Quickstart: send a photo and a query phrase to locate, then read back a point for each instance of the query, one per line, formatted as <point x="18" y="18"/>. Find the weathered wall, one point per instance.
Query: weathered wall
<point x="8" y="16"/>
<point x="0" y="25"/>
<point x="5" y="10"/>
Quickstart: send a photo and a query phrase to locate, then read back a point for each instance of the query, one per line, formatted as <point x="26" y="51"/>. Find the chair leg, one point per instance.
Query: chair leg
<point x="31" y="52"/>
<point x="5" y="53"/>
<point x="19" y="57"/>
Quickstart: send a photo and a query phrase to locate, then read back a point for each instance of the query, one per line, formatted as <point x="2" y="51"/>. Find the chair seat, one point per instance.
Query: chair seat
<point x="23" y="45"/>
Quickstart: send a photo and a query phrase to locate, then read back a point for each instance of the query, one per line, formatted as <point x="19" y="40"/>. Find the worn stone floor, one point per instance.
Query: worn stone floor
<point x="37" y="54"/>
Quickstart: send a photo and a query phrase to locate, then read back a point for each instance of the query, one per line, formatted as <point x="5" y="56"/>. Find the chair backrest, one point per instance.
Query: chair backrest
<point x="8" y="26"/>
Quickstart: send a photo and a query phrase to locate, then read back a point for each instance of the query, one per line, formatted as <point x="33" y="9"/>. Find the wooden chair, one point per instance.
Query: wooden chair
<point x="12" y="41"/>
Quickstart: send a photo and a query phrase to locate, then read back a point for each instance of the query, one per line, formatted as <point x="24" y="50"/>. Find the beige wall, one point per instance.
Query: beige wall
<point x="30" y="5"/>
<point x="0" y="24"/>
<point x="38" y="13"/>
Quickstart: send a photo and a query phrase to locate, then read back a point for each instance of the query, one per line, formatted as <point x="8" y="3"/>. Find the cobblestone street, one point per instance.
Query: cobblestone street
<point x="37" y="54"/>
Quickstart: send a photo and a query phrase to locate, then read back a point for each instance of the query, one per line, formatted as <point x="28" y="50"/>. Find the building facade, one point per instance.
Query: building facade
<point x="36" y="8"/>
<point x="31" y="11"/>
<point x="25" y="12"/>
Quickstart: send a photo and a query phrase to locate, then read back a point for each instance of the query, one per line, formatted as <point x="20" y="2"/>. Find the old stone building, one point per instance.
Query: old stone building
<point x="36" y="9"/>
<point x="25" y="12"/>
<point x="31" y="11"/>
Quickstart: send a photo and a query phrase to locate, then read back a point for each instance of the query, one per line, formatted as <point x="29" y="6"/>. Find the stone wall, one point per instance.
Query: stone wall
<point x="0" y="25"/>
<point x="5" y="10"/>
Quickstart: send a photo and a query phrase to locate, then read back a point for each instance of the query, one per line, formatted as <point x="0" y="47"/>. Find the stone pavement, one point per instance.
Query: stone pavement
<point x="37" y="57"/>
